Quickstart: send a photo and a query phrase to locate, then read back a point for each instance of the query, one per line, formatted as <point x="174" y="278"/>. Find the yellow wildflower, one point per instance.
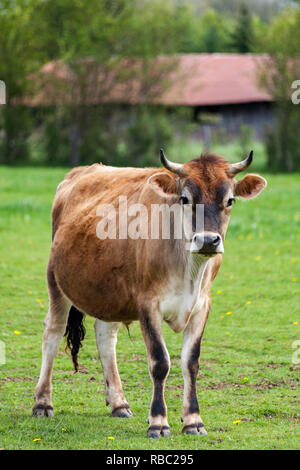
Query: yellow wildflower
<point x="16" y="332"/>
<point x="295" y="323"/>
<point x="294" y="279"/>
<point x="36" y="439"/>
<point x="219" y="291"/>
<point x="248" y="302"/>
<point x="258" y="258"/>
<point x="237" y="421"/>
<point x="110" y="437"/>
<point x="228" y="313"/>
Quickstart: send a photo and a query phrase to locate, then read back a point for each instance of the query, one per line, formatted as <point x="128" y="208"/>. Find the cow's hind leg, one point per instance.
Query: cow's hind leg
<point x="106" y="338"/>
<point x="55" y="326"/>
<point x="159" y="365"/>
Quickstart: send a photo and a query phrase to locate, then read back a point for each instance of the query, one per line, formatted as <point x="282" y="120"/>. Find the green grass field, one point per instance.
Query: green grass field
<point x="246" y="370"/>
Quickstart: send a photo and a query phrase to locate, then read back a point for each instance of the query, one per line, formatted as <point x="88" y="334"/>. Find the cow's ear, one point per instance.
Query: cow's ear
<point x="164" y="183"/>
<point x="250" y="186"/>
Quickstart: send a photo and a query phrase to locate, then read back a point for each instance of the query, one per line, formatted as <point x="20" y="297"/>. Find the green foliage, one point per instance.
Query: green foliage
<point x="213" y="31"/>
<point x="206" y="33"/>
<point x="82" y="35"/>
<point x="19" y="56"/>
<point x="245" y="140"/>
<point x="264" y="9"/>
<point x="222" y="30"/>
<point x="283" y="142"/>
<point x="17" y="125"/>
<point x="282" y="36"/>
<point x="242" y="36"/>
<point x="184" y="149"/>
<point x="111" y="135"/>
<point x="277" y="75"/>
<point x="149" y="132"/>
<point x="255" y="342"/>
<point x="109" y="32"/>
<point x="55" y="137"/>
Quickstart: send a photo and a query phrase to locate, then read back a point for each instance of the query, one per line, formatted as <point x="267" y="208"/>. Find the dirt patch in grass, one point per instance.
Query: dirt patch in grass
<point x="295" y="367"/>
<point x="264" y="384"/>
<point x="15" y="379"/>
<point x="291" y="418"/>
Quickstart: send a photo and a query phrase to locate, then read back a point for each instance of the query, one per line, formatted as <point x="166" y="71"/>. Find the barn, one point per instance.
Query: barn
<point x="222" y="90"/>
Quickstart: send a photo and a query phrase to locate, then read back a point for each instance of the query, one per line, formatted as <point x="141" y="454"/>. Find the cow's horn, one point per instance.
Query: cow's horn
<point x="243" y="165"/>
<point x="174" y="167"/>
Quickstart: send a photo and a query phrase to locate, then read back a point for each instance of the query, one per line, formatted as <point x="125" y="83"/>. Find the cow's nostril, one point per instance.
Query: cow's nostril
<point x="197" y="239"/>
<point x="207" y="242"/>
<point x="216" y="241"/>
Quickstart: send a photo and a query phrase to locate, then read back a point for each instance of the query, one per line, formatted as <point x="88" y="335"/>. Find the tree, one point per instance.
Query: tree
<point x="100" y="43"/>
<point x="264" y="9"/>
<point x="242" y="36"/>
<point x="19" y="56"/>
<point x="213" y="30"/>
<point x="277" y="73"/>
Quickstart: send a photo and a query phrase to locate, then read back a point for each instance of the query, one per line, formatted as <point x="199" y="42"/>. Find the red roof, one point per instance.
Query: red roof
<point x="212" y="79"/>
<point x="186" y="79"/>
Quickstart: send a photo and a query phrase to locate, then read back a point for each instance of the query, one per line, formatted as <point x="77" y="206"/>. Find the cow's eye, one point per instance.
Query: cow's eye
<point x="184" y="200"/>
<point x="230" y="201"/>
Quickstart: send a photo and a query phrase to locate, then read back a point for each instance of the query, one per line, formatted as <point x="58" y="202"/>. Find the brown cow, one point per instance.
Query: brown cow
<point x="121" y="279"/>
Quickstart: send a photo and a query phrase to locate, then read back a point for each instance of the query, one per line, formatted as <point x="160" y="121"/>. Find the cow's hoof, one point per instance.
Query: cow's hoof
<point x="196" y="429"/>
<point x="165" y="431"/>
<point x="156" y="431"/>
<point x="42" y="411"/>
<point x="122" y="412"/>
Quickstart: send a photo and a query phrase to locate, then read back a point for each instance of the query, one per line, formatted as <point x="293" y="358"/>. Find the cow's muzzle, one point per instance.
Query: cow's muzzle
<point x="207" y="244"/>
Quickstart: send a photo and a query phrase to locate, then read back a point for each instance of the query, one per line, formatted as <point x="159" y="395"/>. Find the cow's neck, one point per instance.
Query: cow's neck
<point x="195" y="267"/>
<point x="193" y="277"/>
<point x="183" y="292"/>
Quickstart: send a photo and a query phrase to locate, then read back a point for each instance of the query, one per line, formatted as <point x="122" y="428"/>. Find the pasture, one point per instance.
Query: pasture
<point x="248" y="388"/>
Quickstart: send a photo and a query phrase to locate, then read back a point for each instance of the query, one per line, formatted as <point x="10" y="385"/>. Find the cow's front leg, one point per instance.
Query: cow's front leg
<point x="192" y="422"/>
<point x="159" y="366"/>
<point x="106" y="338"/>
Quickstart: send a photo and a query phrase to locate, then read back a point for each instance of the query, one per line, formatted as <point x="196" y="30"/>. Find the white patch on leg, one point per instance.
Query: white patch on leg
<point x="55" y="326"/>
<point x="106" y="338"/>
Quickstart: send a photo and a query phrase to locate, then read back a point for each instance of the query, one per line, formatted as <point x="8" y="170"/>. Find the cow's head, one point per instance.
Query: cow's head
<point x="209" y="181"/>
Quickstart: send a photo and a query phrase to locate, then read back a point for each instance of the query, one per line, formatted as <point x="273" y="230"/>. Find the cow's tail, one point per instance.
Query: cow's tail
<point x="75" y="332"/>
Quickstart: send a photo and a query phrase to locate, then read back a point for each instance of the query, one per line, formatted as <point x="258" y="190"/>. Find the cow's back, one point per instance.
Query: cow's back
<point x="98" y="276"/>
